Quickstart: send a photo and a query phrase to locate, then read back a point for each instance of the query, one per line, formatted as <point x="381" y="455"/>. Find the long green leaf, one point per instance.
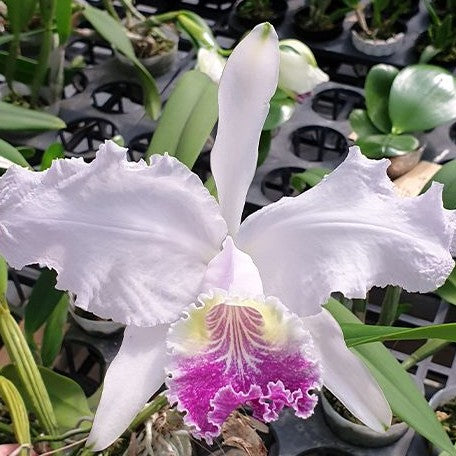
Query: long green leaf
<point x="448" y="290"/>
<point x="281" y="108"/>
<point x="361" y="124"/>
<point x="63" y="20"/>
<point x="187" y="120"/>
<point x="43" y="300"/>
<point x="377" y="89"/>
<point x="422" y="97"/>
<point x="356" y="334"/>
<point x="67" y="398"/>
<point x="113" y="32"/>
<point x="3" y="276"/>
<point x="380" y="146"/>
<point x="11" y="156"/>
<point x="15" y="118"/>
<point x="446" y="175"/>
<point x="54" y="332"/>
<point x="400" y="390"/>
<point x="53" y="152"/>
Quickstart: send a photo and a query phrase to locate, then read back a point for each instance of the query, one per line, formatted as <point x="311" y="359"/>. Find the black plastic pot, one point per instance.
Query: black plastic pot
<point x="315" y="35"/>
<point x="241" y="23"/>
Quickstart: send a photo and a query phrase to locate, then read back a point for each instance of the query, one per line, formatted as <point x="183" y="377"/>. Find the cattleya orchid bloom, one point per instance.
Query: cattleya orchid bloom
<point x="142" y="244"/>
<point x="299" y="73"/>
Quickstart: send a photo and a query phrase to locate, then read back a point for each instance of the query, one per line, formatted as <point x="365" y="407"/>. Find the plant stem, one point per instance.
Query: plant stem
<point x="431" y="347"/>
<point x="109" y="7"/>
<point x="390" y="305"/>
<point x="47" y="8"/>
<point x="359" y="308"/>
<point x="157" y="404"/>
<point x="58" y="438"/>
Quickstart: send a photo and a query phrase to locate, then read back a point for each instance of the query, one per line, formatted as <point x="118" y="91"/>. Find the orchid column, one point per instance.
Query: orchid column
<point x="226" y="313"/>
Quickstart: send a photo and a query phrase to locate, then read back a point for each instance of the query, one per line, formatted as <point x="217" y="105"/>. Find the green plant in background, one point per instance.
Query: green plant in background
<point x="323" y="15"/>
<point x="400" y="104"/>
<point x="441" y="33"/>
<point x="259" y="10"/>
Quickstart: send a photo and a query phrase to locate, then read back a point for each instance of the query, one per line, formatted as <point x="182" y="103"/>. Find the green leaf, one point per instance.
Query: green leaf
<point x="20" y="13"/>
<point x="446" y="175"/>
<point x="400" y="390"/>
<point x="63" y="20"/>
<point x="3" y="276"/>
<point x="67" y="397"/>
<point x="448" y="290"/>
<point x="53" y="152"/>
<point x="422" y="97"/>
<point x="113" y="32"/>
<point x="380" y="146"/>
<point x="264" y="146"/>
<point x="361" y="124"/>
<point x="197" y="29"/>
<point x="280" y="111"/>
<point x="187" y="120"/>
<point x="54" y="332"/>
<point x="43" y="300"/>
<point x="10" y="156"/>
<point x="377" y="89"/>
<point x="356" y="334"/>
<point x="308" y="178"/>
<point x="15" y="118"/>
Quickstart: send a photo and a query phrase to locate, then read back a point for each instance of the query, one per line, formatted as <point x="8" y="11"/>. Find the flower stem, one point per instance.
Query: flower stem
<point x="390" y="304"/>
<point x="431" y="347"/>
<point x="154" y="406"/>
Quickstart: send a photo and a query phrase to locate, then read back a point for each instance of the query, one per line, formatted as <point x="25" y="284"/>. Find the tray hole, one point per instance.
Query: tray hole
<point x="337" y="104"/>
<point x="119" y="97"/>
<point x="91" y="52"/>
<point x="277" y="183"/>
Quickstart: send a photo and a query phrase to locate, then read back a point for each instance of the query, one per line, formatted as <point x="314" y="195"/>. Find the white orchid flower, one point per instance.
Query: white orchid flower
<point x="299" y="72"/>
<point x="142" y="243"/>
<point x="211" y="63"/>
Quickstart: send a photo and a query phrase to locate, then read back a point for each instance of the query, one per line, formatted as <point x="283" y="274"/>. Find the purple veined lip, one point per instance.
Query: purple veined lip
<point x="241" y="354"/>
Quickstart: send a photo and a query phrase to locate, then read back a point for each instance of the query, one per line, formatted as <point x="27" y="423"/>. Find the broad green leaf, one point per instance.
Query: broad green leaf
<point x="24" y="69"/>
<point x="400" y="390"/>
<point x="380" y="146"/>
<point x="9" y="155"/>
<point x="63" y="20"/>
<point x="264" y="146"/>
<point x="197" y="29"/>
<point x="361" y="124"/>
<point x="3" y="276"/>
<point x="43" y="300"/>
<point x="308" y="178"/>
<point x="67" y="397"/>
<point x="53" y="152"/>
<point x="280" y="110"/>
<point x="54" y="332"/>
<point x="448" y="290"/>
<point x="20" y="13"/>
<point x="422" y="97"/>
<point x="377" y="89"/>
<point x="15" y="118"/>
<point x="187" y="120"/>
<point x="113" y="32"/>
<point x="356" y="334"/>
<point x="446" y="175"/>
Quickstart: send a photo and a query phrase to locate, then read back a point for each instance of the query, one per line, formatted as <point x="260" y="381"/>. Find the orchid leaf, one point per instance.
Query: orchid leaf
<point x="308" y="178"/>
<point x="264" y="146"/>
<point x="54" y="332"/>
<point x="67" y="398"/>
<point x="3" y="276"/>
<point x="113" y="32"/>
<point x="53" y="152"/>
<point x="281" y="108"/>
<point x="9" y="155"/>
<point x="400" y="390"/>
<point x="63" y="20"/>
<point x="446" y="175"/>
<point x="380" y="146"/>
<point x="377" y="89"/>
<point x="422" y="97"/>
<point x="356" y="334"/>
<point x="187" y="120"/>
<point x="361" y="124"/>
<point x="15" y="118"/>
<point x="448" y="290"/>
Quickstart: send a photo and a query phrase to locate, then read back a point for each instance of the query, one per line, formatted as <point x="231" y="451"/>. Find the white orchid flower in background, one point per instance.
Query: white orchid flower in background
<point x="142" y="243"/>
<point x="211" y="63"/>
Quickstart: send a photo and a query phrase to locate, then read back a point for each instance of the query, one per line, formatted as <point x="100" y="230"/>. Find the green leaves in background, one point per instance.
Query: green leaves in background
<point x="356" y="334"/>
<point x="53" y="152"/>
<point x="281" y="108"/>
<point x="113" y="32"/>
<point x="308" y="178"/>
<point x="3" y="276"/>
<point x="422" y="97"/>
<point x="446" y="175"/>
<point x="67" y="398"/>
<point x="63" y="20"/>
<point x="187" y="120"/>
<point x="448" y="290"/>
<point x="361" y="124"/>
<point x="380" y="146"/>
<point x="9" y="155"/>
<point x="15" y="118"/>
<point x="400" y="390"/>
<point x="377" y="92"/>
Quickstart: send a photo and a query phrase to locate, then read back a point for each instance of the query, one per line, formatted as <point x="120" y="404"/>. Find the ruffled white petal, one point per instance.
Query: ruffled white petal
<point x="122" y="236"/>
<point x="134" y="375"/>
<point x="347" y="234"/>
<point x="345" y="375"/>
<point x="248" y="83"/>
<point x="233" y="271"/>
